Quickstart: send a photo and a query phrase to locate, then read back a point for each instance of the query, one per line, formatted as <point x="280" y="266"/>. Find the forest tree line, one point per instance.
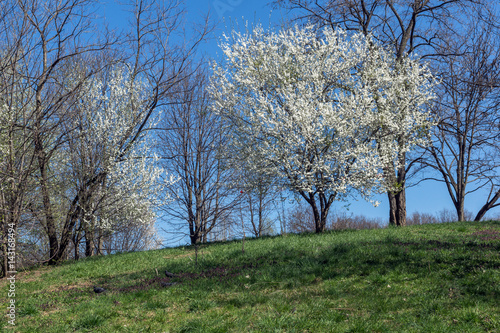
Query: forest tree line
<point x="103" y="131"/>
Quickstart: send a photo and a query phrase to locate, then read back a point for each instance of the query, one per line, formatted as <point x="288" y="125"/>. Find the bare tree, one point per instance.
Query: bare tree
<point x="191" y="142"/>
<point x="466" y="151"/>
<point x="16" y="155"/>
<point x="258" y="199"/>
<point x="45" y="39"/>
<point x="154" y="58"/>
<point x="48" y="38"/>
<point x="34" y="43"/>
<point x="407" y="27"/>
<point x="258" y="206"/>
<point x="300" y="219"/>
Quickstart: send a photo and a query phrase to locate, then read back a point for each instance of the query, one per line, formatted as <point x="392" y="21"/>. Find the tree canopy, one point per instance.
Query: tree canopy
<point x="321" y="111"/>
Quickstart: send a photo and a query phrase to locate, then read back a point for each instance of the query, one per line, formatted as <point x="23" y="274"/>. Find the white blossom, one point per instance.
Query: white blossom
<point x="112" y="108"/>
<point x="320" y="111"/>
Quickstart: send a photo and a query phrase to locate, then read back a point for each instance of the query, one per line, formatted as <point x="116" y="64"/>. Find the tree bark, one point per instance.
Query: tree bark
<point x="401" y="208"/>
<point x="195" y="237"/>
<point x="490" y="204"/>
<point x="89" y="244"/>
<point x="397" y="196"/>
<point x="459" y="207"/>
<point x="47" y="206"/>
<point x="320" y="213"/>
<point x="397" y="208"/>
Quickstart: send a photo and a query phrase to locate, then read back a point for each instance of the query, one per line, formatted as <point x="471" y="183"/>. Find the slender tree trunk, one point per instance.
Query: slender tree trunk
<point x="397" y="208"/>
<point x="75" y="212"/>
<point x="89" y="244"/>
<point x="459" y="207"/>
<point x="397" y="198"/>
<point x="243" y="231"/>
<point x="318" y="223"/>
<point x="100" y="242"/>
<point x="4" y="245"/>
<point x="4" y="232"/>
<point x="65" y="238"/>
<point x="261" y="214"/>
<point x="490" y="204"/>
<point x="195" y="232"/>
<point x="391" y="196"/>
<point x="88" y="227"/>
<point x="320" y="213"/>
<point x="47" y="207"/>
<point x="401" y="208"/>
<point x="76" y="244"/>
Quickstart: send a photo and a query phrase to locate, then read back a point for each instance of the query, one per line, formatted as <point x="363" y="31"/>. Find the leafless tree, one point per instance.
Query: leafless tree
<point x="466" y="151"/>
<point x="48" y="35"/>
<point x="42" y="39"/>
<point x="154" y="56"/>
<point x="191" y="143"/>
<point x="258" y="200"/>
<point x="33" y="40"/>
<point x="408" y="27"/>
<point x="300" y="218"/>
<point x="16" y="154"/>
<point x="127" y="237"/>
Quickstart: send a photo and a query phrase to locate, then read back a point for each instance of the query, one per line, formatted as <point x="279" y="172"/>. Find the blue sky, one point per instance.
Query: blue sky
<point x="429" y="197"/>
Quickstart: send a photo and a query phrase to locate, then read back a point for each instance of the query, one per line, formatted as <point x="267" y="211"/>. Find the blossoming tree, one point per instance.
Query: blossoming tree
<point x="115" y="176"/>
<point x="319" y="111"/>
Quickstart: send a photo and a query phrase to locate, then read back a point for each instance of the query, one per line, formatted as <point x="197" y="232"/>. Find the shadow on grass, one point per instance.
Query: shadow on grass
<point x="294" y="265"/>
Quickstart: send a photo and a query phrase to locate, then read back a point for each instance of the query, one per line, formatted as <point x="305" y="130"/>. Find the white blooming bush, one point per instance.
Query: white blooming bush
<point x="111" y="109"/>
<point x="323" y="112"/>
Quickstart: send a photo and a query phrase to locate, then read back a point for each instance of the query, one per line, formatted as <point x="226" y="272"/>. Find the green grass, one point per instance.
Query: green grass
<point x="431" y="278"/>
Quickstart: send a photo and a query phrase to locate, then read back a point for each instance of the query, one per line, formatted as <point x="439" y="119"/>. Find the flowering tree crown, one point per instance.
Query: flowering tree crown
<point x="111" y="107"/>
<point x="320" y="111"/>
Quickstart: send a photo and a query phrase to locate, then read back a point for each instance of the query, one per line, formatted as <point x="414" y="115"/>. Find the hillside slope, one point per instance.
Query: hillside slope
<point x="430" y="278"/>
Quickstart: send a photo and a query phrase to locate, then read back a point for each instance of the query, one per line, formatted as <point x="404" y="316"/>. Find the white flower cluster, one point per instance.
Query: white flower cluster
<point x="112" y="109"/>
<point x="320" y="110"/>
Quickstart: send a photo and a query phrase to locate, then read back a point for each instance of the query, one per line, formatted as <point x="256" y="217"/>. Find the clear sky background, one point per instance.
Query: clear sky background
<point x="428" y="197"/>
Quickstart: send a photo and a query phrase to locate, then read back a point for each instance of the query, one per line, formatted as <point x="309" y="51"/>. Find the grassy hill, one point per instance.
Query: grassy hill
<point x="430" y="278"/>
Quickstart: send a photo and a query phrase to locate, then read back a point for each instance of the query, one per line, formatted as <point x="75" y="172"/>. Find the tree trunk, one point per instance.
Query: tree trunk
<point x="261" y="214"/>
<point x="65" y="237"/>
<point x="490" y="204"/>
<point x="76" y="244"/>
<point x="100" y="242"/>
<point x="318" y="222"/>
<point x="397" y="198"/>
<point x="82" y="198"/>
<point x="392" y="208"/>
<point x="90" y="235"/>
<point x="397" y="208"/>
<point x="195" y="238"/>
<point x="401" y="208"/>
<point x="89" y="244"/>
<point x="321" y="213"/>
<point x="47" y="209"/>
<point x="459" y="207"/>
<point x="195" y="232"/>
<point x="4" y="247"/>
